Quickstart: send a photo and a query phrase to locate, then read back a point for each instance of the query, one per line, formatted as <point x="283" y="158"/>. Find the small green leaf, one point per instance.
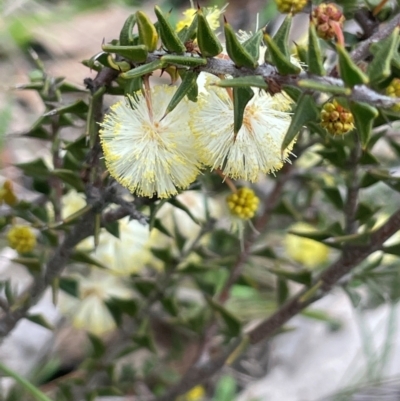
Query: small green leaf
<point x="145" y="286"/>
<point x="232" y="323"/>
<point x="225" y="389"/>
<point x="333" y="194"/>
<point x="188" y="33"/>
<point x="209" y="44"/>
<point x="126" y="36"/>
<point x="186" y="61"/>
<point x="40" y="320"/>
<point x="168" y="35"/>
<point x="143" y="69"/>
<point x="364" y="115"/>
<point x="380" y="67"/>
<point x="314" y="54"/>
<point x="128" y="306"/>
<point x="350" y="73"/>
<point x="148" y="35"/>
<point x="137" y="54"/>
<point x="279" y="59"/>
<point x="113" y="228"/>
<point x="253" y="44"/>
<point x="236" y="51"/>
<point x="156" y="223"/>
<point x="32" y="264"/>
<point x="306" y="111"/>
<point x="69" y="285"/>
<point x="240" y="82"/>
<point x="98" y="347"/>
<point x="69" y="177"/>
<point x="79" y="108"/>
<point x="282" y="290"/>
<point x="189" y="83"/>
<point x="322" y="87"/>
<point x="333" y="230"/>
<point x="241" y="96"/>
<point x="298" y="276"/>
<point x="281" y="37"/>
<point x="36" y="168"/>
<point x="84" y="257"/>
<point x="392" y="249"/>
<point x="178" y="204"/>
<point x="266" y="252"/>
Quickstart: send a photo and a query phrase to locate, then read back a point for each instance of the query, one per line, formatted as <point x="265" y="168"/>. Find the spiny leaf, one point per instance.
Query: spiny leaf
<point x="314" y="54"/>
<point x="143" y="69"/>
<point x="188" y="83"/>
<point x="236" y="51"/>
<point x="305" y="111"/>
<point x="281" y="37"/>
<point x="148" y="35"/>
<point x="208" y="42"/>
<point x="187" y="61"/>
<point x="168" y="35"/>
<point x="279" y="59"/>
<point x="126" y="36"/>
<point x="350" y="73"/>
<point x="241" y="96"/>
<point x="252" y="45"/>
<point x="232" y="323"/>
<point x="379" y="68"/>
<point x="300" y="276"/>
<point x="254" y="81"/>
<point x="364" y="115"/>
<point x="322" y="87"/>
<point x="138" y="53"/>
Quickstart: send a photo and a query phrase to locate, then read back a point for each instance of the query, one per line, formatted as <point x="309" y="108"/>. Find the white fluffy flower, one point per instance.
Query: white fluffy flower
<point x="257" y="146"/>
<point x="146" y="153"/>
<point x="130" y="252"/>
<point x="90" y="312"/>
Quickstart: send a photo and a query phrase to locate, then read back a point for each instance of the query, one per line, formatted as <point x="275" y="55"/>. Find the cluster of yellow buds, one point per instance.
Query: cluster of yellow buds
<point x="336" y="119"/>
<point x="290" y="6"/>
<point x="21" y="238"/>
<point x="243" y="203"/>
<point x="7" y="194"/>
<point x="393" y="90"/>
<point x="323" y="16"/>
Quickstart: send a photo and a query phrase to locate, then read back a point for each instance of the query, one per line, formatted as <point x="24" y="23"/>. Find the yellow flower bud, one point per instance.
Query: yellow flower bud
<point x="243" y="203"/>
<point x="197" y="393"/>
<point x="336" y="119"/>
<point x="290" y="6"/>
<point x="323" y="16"/>
<point x="7" y="194"/>
<point x="393" y="90"/>
<point x="21" y="238"/>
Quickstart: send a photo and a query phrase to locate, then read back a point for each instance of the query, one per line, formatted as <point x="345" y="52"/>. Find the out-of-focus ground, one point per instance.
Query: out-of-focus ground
<point x="305" y="364"/>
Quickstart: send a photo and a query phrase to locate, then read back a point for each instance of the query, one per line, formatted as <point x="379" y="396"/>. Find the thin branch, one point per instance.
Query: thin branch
<point x="268" y="327"/>
<point x="362" y="50"/>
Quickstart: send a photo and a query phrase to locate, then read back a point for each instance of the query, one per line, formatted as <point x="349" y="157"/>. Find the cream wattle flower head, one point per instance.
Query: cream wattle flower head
<point x="257" y="146"/>
<point x="146" y="153"/>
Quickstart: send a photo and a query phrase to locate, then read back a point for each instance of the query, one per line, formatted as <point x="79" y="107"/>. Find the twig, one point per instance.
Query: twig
<point x="362" y="50"/>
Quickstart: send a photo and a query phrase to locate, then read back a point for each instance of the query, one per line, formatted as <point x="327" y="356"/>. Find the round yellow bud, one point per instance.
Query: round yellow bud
<point x="21" y="238"/>
<point x="7" y="194"/>
<point x="393" y="90"/>
<point x="336" y="119"/>
<point x="243" y="203"/>
<point x="290" y="6"/>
